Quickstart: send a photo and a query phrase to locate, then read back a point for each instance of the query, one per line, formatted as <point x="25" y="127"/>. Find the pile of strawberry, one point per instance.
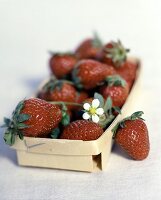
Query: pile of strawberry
<point x="82" y="97"/>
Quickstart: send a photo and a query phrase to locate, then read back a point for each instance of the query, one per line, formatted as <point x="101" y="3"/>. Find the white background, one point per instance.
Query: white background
<point x="28" y="29"/>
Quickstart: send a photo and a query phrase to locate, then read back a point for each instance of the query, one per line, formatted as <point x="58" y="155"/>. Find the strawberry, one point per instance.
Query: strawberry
<point x="128" y="71"/>
<point x="32" y="118"/>
<point x="89" y="73"/>
<point x="82" y="130"/>
<point x="113" y="53"/>
<point x="59" y="90"/>
<point x="62" y="64"/>
<point x="132" y="135"/>
<point x="117" y="89"/>
<point x="81" y="96"/>
<point x="88" y="100"/>
<point x="89" y="48"/>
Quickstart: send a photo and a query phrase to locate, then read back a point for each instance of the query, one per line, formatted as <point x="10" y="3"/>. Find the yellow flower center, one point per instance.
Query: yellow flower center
<point x="92" y="111"/>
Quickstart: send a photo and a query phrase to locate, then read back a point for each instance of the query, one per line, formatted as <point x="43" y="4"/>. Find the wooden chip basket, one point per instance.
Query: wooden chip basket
<point x="77" y="155"/>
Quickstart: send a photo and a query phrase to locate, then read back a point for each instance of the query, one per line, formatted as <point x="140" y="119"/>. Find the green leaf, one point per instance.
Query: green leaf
<point x="65" y="120"/>
<point x="117" y="109"/>
<point x="137" y="115"/>
<point x="19" y="107"/>
<point x="7" y="121"/>
<point x="23" y="117"/>
<point x="76" y="79"/>
<point x="118" y="53"/>
<point x="110" y="119"/>
<point x="96" y="42"/>
<point x="20" y="134"/>
<point x="58" y="84"/>
<point x="22" y="126"/>
<point x="55" y="133"/>
<point x="79" y="86"/>
<point x="115" y="80"/>
<point x="9" y="138"/>
<point x="141" y="118"/>
<point x="64" y="107"/>
<point x="104" y="121"/>
<point x="108" y="104"/>
<point x="53" y="84"/>
<point x="100" y="98"/>
<point x="64" y="113"/>
<point x="122" y="124"/>
<point x="114" y="130"/>
<point x="13" y="139"/>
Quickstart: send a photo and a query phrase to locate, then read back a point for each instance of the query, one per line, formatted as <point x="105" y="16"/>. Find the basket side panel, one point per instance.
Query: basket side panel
<point x="78" y="163"/>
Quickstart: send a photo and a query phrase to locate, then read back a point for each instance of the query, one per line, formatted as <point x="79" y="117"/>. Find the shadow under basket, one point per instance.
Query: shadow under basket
<point x="77" y="155"/>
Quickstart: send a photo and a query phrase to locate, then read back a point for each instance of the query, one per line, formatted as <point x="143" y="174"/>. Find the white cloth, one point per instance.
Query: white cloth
<point x="28" y="29"/>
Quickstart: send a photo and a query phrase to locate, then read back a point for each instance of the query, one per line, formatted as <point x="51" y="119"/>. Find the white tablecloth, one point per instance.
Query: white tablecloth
<point x="28" y="29"/>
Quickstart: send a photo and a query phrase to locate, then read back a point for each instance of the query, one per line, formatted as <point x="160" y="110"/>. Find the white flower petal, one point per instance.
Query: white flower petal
<point x="95" y="103"/>
<point x="99" y="111"/>
<point x="86" y="116"/>
<point x="95" y="118"/>
<point x="86" y="106"/>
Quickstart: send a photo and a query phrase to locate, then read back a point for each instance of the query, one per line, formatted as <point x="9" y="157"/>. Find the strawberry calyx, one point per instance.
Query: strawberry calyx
<point x="65" y="116"/>
<point x="121" y="124"/>
<point x="108" y="115"/>
<point x="115" y="80"/>
<point x="117" y="52"/>
<point x="76" y="79"/>
<point x="55" y="133"/>
<point x="15" y="124"/>
<point x="54" y="83"/>
<point x="96" y="41"/>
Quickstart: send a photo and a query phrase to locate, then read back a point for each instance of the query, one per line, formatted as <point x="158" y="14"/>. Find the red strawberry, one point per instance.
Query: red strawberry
<point x="113" y="53"/>
<point x="69" y="113"/>
<point x="82" y="130"/>
<point x="89" y="73"/>
<point x="117" y="89"/>
<point x="33" y="118"/>
<point x="88" y="100"/>
<point x="59" y="90"/>
<point x="89" y="48"/>
<point x="128" y="71"/>
<point x="62" y="64"/>
<point x="132" y="135"/>
<point x="81" y="96"/>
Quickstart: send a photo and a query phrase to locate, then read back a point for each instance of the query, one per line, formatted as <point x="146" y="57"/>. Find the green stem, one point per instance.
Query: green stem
<point x="66" y="103"/>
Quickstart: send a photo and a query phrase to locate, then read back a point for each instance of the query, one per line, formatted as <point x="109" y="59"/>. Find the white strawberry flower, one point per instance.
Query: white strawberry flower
<point x="93" y="111"/>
